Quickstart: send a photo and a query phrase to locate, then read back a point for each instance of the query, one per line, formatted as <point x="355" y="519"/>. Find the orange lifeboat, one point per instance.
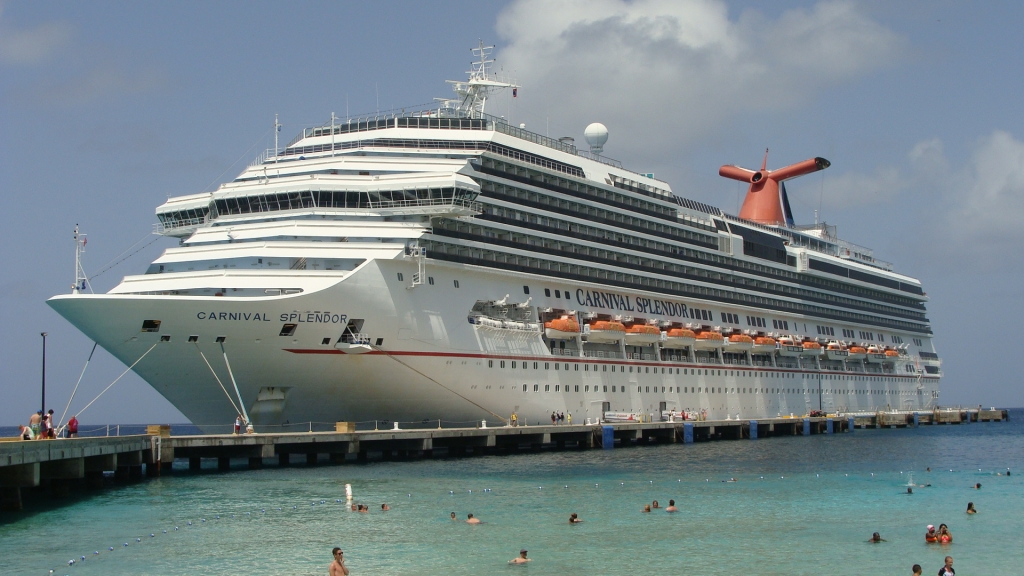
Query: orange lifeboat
<point x="709" y="341"/>
<point x="811" y="348"/>
<point x="857" y="353"/>
<point x="679" y="338"/>
<point x="876" y="354"/>
<point x="605" y="331"/>
<point x="564" y="328"/>
<point x="789" y="346"/>
<point x="764" y="345"/>
<point x="835" y="351"/>
<point x="740" y="343"/>
<point x="642" y="334"/>
<point x="891" y="354"/>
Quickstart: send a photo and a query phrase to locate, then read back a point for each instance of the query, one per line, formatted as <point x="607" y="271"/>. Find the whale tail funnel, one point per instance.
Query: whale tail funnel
<point x="766" y="201"/>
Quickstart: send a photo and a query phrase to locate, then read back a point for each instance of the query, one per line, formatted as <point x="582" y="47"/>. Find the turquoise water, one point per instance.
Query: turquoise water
<point x="818" y="502"/>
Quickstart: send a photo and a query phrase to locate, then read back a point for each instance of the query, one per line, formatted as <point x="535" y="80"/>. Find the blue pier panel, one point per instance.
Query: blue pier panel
<point x="828" y="426"/>
<point x="917" y="419"/>
<point x="807" y="426"/>
<point x="852" y="425"/>
<point x="688" y="433"/>
<point x="753" y="429"/>
<point x="607" y="437"/>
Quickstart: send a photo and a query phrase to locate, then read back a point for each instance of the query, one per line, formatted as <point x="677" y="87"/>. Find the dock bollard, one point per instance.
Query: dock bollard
<point x="688" y="433"/>
<point x="607" y="437"/>
<point x="852" y="425"/>
<point x="753" y="429"/>
<point x="828" y="426"/>
<point x="396" y="426"/>
<point x="483" y="423"/>
<point x="807" y="426"/>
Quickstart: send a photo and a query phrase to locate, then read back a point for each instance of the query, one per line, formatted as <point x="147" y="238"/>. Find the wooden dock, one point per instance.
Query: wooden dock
<point x="52" y="467"/>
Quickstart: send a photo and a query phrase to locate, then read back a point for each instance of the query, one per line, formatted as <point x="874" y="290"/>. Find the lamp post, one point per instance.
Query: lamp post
<point x="43" y="334"/>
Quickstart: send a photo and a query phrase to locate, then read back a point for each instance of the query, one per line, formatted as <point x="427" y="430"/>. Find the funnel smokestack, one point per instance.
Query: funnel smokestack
<point x="764" y="203"/>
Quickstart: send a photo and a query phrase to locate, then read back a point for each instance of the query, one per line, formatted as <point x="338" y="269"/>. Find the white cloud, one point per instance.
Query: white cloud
<point x="33" y="45"/>
<point x="685" y="62"/>
<point x="990" y="209"/>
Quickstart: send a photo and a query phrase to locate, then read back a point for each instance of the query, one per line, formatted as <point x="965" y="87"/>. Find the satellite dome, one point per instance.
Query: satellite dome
<point x="596" y="135"/>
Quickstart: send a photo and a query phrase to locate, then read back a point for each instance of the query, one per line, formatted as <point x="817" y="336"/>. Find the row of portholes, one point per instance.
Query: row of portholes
<point x="703" y="390"/>
<point x="683" y="371"/>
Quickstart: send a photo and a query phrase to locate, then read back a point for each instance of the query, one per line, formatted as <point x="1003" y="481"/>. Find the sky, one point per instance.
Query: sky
<point x="108" y="108"/>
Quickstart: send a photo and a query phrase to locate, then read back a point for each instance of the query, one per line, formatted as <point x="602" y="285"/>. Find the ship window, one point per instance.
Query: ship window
<point x="502" y="363"/>
<point x="586" y="388"/>
<point x="456" y="283"/>
<point x="325" y="341"/>
<point x="613" y="388"/>
<point x="576" y="388"/>
<point x="526" y="289"/>
<point x="547" y="387"/>
<point x="430" y="280"/>
<point x="193" y="338"/>
<point x="604" y="368"/>
<point x="490" y="363"/>
<point x="513" y="363"/>
<point x="165" y="338"/>
<point x="288" y="330"/>
<point x="556" y="365"/>
<point x="546" y="366"/>
<point x="380" y="341"/>
<point x="151" y="325"/>
<point x="556" y="387"/>
<point x="220" y="339"/>
<point x="547" y="292"/>
<point x="606" y="388"/>
<point x="576" y="367"/>
<point x="534" y="365"/>
<point x="558" y="293"/>
<point x="535" y="388"/>
<point x="567" y="297"/>
<point x="400" y="277"/>
<point x="638" y="388"/>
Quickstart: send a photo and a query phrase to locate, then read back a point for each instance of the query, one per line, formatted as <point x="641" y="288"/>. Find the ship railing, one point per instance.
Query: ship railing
<point x="263" y="157"/>
<point x="355" y="338"/>
<point x="422" y="202"/>
<point x="165" y="227"/>
<point x="602" y="354"/>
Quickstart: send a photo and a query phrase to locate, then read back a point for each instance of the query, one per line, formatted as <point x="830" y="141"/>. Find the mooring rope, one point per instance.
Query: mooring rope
<point x="60" y="422"/>
<point x="118" y="378"/>
<point x="233" y="405"/>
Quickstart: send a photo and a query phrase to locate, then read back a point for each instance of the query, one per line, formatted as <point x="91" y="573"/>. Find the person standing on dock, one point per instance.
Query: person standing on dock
<point x="26" y="432"/>
<point x="238" y="424"/>
<point x="34" y="422"/>
<point x="568" y="418"/>
<point x="338" y="567"/>
<point x="73" y="427"/>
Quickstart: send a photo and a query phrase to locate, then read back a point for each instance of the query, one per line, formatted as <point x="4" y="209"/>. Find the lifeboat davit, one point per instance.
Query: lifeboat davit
<point x="642" y="334"/>
<point x="811" y="348"/>
<point x="605" y="331"/>
<point x="857" y="353"/>
<point x="788" y="346"/>
<point x="679" y="338"/>
<point x="876" y="354"/>
<point x="740" y="343"/>
<point x="835" y="351"/>
<point x="564" y="328"/>
<point x="763" y="345"/>
<point x="709" y="341"/>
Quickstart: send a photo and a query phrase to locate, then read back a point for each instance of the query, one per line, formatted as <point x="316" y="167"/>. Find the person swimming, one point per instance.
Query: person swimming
<point x="671" y="506"/>
<point x="655" y="504"/>
<point x="970" y="508"/>
<point x="931" y="537"/>
<point x="453" y="517"/>
<point x="574" y="519"/>
<point x="647" y="508"/>
<point x="876" y="538"/>
<point x="945" y="536"/>
<point x="471" y="520"/>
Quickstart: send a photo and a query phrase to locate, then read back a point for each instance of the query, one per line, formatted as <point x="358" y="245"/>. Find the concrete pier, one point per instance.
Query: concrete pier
<point x="60" y="465"/>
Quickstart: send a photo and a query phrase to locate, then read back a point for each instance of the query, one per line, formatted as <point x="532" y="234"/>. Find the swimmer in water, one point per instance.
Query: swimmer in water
<point x="916" y="568"/>
<point x="354" y="509"/>
<point x="522" y="558"/>
<point x="574" y="519"/>
<point x="930" y="536"/>
<point x="384" y="507"/>
<point x="654" y="504"/>
<point x="970" y="508"/>
<point x="910" y="490"/>
<point x="945" y="536"/>
<point x="453" y="517"/>
<point x="647" y="508"/>
<point x="671" y="506"/>
<point x="471" y="520"/>
<point x="876" y="538"/>
<point x="338" y="567"/>
<point x="977" y="486"/>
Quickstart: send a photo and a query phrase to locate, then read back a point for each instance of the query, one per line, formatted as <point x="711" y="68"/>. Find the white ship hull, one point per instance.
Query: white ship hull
<point x="431" y="364"/>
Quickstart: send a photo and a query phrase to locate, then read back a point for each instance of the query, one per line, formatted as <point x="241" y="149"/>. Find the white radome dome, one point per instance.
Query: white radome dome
<point x="596" y="135"/>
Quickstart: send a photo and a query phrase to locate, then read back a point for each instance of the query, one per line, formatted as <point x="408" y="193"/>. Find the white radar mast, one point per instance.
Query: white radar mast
<point x="473" y="93"/>
<point x="81" y="280"/>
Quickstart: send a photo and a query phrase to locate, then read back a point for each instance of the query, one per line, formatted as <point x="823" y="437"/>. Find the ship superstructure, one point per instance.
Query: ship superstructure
<point x="445" y="264"/>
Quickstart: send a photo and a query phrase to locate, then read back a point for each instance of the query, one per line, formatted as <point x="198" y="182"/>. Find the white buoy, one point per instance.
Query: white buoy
<point x="348" y="491"/>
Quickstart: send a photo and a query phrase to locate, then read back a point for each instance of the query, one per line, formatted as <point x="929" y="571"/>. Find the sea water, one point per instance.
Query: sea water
<point x="798" y="505"/>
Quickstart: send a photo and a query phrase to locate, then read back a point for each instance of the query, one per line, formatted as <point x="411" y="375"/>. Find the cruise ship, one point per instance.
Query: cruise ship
<point x="445" y="265"/>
